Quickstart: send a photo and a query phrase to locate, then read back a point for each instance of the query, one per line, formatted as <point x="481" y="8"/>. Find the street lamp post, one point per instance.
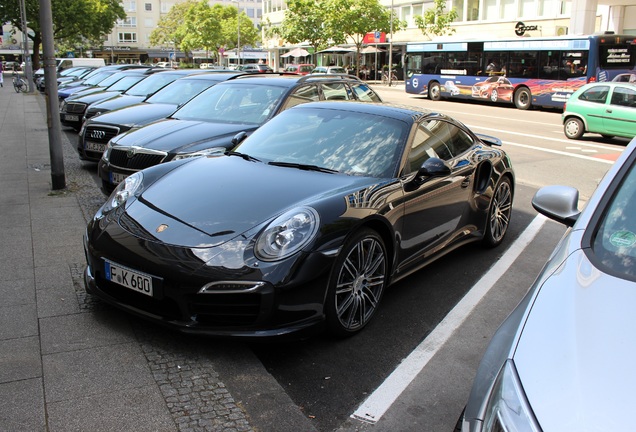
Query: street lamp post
<point x="391" y="47"/>
<point x="238" y="31"/>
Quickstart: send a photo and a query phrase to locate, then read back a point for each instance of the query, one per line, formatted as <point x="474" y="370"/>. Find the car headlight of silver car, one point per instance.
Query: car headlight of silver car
<point x="508" y="409"/>
<point x="125" y="190"/>
<point x="287" y="234"/>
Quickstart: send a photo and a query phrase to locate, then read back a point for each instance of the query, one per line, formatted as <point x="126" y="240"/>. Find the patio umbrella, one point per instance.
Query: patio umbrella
<point x="370" y="50"/>
<point x="337" y="50"/>
<point x="296" y="52"/>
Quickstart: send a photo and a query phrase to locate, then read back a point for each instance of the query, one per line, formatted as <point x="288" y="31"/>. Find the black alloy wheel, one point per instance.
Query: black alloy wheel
<point x="499" y="214"/>
<point x="356" y="284"/>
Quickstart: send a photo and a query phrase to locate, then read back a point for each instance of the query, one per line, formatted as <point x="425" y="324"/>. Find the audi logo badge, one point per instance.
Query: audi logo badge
<point x="97" y="134"/>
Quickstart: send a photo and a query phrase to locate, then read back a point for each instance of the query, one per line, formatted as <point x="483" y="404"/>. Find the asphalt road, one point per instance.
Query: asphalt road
<point x="329" y="379"/>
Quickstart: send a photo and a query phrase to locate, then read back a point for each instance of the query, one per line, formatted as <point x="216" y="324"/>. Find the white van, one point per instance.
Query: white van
<point x="65" y="63"/>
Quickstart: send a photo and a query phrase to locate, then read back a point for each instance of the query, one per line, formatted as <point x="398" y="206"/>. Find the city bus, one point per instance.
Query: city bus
<point x="525" y="71"/>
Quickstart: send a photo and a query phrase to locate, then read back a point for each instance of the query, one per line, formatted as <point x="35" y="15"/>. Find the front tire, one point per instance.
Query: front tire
<point x="494" y="96"/>
<point x="356" y="284"/>
<point x="434" y="92"/>
<point x="573" y="128"/>
<point x="499" y="214"/>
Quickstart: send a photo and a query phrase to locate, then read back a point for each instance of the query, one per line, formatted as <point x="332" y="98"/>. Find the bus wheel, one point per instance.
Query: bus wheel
<point x="523" y="100"/>
<point x="573" y="128"/>
<point x="493" y="96"/>
<point x="434" y="92"/>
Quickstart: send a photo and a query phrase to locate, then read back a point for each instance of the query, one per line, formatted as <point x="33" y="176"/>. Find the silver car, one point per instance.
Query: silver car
<point x="564" y="359"/>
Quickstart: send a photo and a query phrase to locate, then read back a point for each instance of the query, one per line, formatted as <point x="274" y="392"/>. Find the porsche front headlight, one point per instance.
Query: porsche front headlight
<point x="508" y="409"/>
<point x="287" y="234"/>
<point x="123" y="192"/>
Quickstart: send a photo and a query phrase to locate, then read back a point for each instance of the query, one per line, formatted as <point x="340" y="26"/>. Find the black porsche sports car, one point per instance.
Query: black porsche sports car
<point x="302" y="225"/>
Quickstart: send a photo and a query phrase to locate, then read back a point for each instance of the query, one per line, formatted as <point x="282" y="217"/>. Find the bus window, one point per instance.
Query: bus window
<point x="522" y="65"/>
<point x="574" y="64"/>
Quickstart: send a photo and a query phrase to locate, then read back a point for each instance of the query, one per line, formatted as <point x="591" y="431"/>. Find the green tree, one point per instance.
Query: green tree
<point x="201" y="28"/>
<point x="230" y="17"/>
<point x="303" y="22"/>
<point x="351" y="20"/>
<point x="74" y="21"/>
<point x="167" y="32"/>
<point x="436" y="21"/>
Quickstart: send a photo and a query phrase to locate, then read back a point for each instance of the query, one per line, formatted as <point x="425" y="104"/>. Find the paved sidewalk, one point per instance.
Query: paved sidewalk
<point x="69" y="363"/>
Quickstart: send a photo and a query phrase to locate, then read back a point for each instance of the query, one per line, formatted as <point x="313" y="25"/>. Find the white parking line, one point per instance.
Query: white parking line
<point x="374" y="407"/>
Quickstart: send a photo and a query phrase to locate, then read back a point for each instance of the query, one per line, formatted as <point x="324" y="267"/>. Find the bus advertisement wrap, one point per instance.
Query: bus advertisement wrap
<point x="525" y="72"/>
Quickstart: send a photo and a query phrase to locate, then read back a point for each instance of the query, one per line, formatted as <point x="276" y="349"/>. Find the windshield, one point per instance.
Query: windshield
<point x="180" y="91"/>
<point x="615" y="241"/>
<point x="97" y="78"/>
<point x="126" y="82"/>
<point x="112" y="79"/>
<point x="151" y="84"/>
<point x="236" y="103"/>
<point x="348" y="142"/>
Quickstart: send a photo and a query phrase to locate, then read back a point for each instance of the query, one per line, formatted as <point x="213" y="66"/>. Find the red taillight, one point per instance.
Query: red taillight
<point x="591" y="79"/>
<point x="565" y="105"/>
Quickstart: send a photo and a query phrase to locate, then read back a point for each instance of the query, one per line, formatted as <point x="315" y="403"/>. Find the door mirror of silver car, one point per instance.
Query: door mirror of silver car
<point x="559" y="203"/>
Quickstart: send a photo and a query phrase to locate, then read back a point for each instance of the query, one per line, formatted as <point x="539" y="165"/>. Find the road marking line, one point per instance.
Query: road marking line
<point x="374" y="407"/>
<point x="559" y="152"/>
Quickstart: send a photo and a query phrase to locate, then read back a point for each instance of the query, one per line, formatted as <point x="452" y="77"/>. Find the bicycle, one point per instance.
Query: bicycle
<point x="19" y="83"/>
<point x="385" y="78"/>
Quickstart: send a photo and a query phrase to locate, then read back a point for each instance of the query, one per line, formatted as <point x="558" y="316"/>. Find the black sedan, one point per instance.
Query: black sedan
<point x="98" y="130"/>
<point x="303" y="225"/>
<point x="211" y="120"/>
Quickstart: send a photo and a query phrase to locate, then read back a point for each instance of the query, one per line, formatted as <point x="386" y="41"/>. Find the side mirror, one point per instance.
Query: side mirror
<point x="559" y="203"/>
<point x="433" y="167"/>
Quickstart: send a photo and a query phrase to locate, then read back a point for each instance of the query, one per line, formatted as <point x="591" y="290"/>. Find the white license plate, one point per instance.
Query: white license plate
<point x="93" y="146"/>
<point x="126" y="277"/>
<point x="116" y="178"/>
<point x="72" y="118"/>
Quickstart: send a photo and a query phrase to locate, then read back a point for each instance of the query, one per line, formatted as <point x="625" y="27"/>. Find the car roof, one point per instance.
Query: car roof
<point x="288" y="80"/>
<point x="214" y="75"/>
<point x="405" y="113"/>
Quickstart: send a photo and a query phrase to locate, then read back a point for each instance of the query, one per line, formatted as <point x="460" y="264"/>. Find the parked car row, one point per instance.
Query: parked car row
<point x="252" y="205"/>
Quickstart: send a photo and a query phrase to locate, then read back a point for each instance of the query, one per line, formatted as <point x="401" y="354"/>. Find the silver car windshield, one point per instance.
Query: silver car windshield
<point x="615" y="241"/>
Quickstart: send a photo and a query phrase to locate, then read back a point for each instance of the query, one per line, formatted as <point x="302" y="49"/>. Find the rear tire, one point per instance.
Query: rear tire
<point x="434" y="92"/>
<point x="573" y="128"/>
<point x="523" y="99"/>
<point x="494" y="96"/>
<point x="499" y="214"/>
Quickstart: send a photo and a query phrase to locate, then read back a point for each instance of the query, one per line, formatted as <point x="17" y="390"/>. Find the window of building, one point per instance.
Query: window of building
<point x="148" y="6"/>
<point x="458" y="5"/>
<point x="490" y="12"/>
<point x="509" y="9"/>
<point x="127" y="37"/>
<point x="127" y="22"/>
<point x="130" y="6"/>
<point x="249" y="12"/>
<point x="472" y="10"/>
<point x="418" y="10"/>
<point x="527" y="8"/>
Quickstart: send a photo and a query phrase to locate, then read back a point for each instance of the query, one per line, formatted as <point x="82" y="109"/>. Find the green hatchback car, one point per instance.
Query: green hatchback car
<point x="606" y="108"/>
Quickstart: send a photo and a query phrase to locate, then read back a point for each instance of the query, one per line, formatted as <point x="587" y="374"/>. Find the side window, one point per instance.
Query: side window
<point x="364" y="93"/>
<point x="624" y="96"/>
<point x="437" y="138"/>
<point x="308" y="93"/>
<point x="335" y="91"/>
<point x="460" y="140"/>
<point x="596" y="94"/>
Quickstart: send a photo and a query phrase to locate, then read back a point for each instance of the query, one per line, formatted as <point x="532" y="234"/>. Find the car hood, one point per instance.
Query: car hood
<point x="94" y="97"/>
<point x="193" y="198"/>
<point x="575" y="354"/>
<point x="121" y="101"/>
<point x="173" y="135"/>
<point x="138" y="114"/>
<point x="67" y="91"/>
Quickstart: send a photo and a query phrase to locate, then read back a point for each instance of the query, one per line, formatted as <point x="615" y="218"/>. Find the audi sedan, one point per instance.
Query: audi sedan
<point x="562" y="360"/>
<point x="303" y="225"/>
<point x="99" y="130"/>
